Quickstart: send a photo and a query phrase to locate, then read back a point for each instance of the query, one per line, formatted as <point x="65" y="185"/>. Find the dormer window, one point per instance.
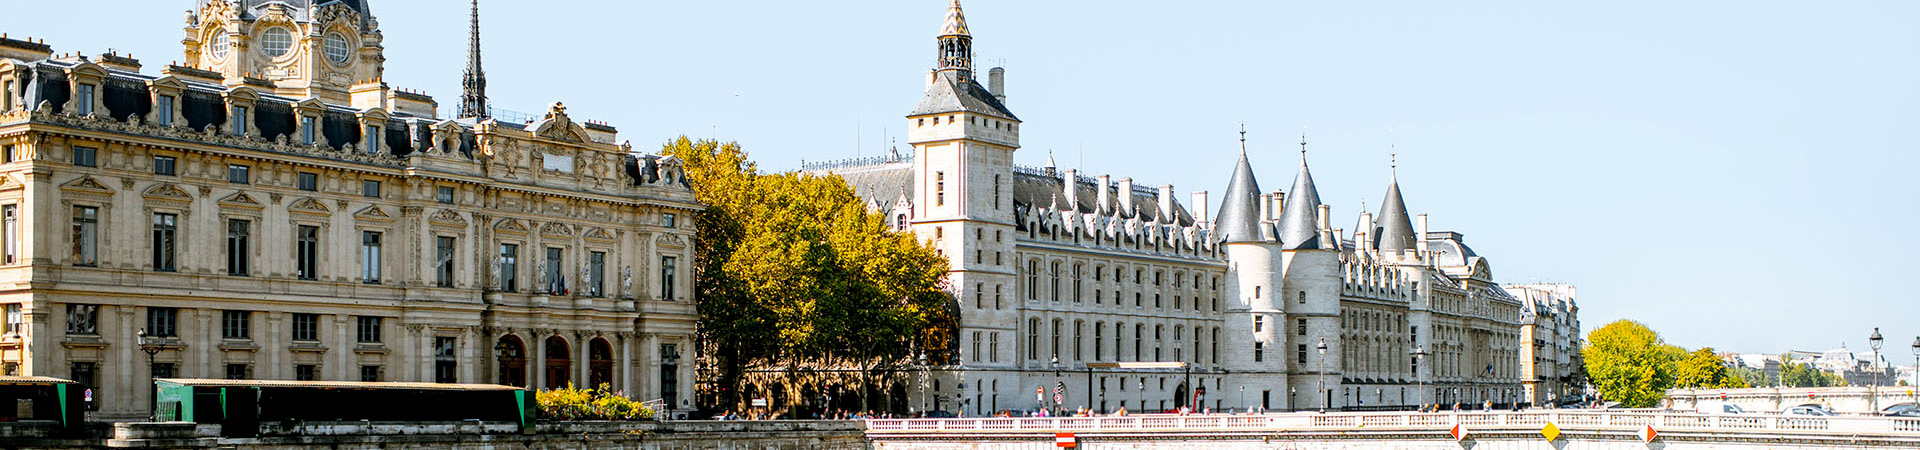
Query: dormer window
<point x="163" y="110"/>
<point x="373" y="139"/>
<point x="239" y="120"/>
<point x="336" y="46"/>
<point x="307" y="125"/>
<point x="83" y="99"/>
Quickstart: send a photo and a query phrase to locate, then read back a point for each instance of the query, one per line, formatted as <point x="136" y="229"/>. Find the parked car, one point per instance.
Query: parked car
<point x="1895" y="410"/>
<point x="1732" y="409"/>
<point x="1807" y="410"/>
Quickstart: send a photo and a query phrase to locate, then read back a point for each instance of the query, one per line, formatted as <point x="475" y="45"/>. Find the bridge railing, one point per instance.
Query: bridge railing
<point x="1523" y="420"/>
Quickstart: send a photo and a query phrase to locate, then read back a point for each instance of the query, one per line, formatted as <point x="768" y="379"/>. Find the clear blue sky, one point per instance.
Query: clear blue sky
<point x="1734" y="173"/>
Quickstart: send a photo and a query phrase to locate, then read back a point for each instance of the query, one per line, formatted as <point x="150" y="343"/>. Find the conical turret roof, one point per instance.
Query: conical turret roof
<point x="1393" y="229"/>
<point x="1298" y="228"/>
<point x="956" y="21"/>
<point x="1239" y="219"/>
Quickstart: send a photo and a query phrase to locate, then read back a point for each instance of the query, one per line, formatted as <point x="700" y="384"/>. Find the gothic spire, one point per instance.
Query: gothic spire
<point x="473" y="87"/>
<point x="1299" y="224"/>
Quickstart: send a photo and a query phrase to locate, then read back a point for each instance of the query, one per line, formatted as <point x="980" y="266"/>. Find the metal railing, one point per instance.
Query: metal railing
<point x="1487" y="421"/>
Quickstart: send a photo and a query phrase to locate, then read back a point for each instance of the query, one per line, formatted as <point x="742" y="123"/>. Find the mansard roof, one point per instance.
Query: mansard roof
<point x="298" y="9"/>
<point x="1394" y="229"/>
<point x="1032" y="188"/>
<point x="1239" y="219"/>
<point x="1299" y="227"/>
<point x="951" y="92"/>
<point x="881" y="184"/>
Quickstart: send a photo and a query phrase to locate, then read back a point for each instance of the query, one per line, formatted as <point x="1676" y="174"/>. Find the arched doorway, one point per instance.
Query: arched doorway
<point x="600" y="356"/>
<point x="559" y="364"/>
<point x="1180" y="397"/>
<point x="512" y="356"/>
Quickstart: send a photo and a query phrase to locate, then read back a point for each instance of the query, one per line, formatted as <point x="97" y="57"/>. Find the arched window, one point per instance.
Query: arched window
<point x="1098" y="347"/>
<point x="1056" y="339"/>
<point x="1078" y="271"/>
<point x="1079" y="330"/>
<point x="900" y="222"/>
<point x="1054" y="286"/>
<point x="1139" y="336"/>
<point x="1033" y="339"/>
<point x="1033" y="279"/>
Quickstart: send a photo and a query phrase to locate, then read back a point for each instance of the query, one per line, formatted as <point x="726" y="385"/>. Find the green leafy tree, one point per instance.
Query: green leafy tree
<point x="1806" y="375"/>
<point x="1704" y="369"/>
<point x="1750" y="377"/>
<point x="1630" y="364"/>
<point x="795" y="269"/>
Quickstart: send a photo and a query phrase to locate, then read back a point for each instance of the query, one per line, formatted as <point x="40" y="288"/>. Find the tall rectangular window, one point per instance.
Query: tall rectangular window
<point x="163" y="111"/>
<point x="372" y="144"/>
<point x="239" y="120"/>
<point x="237" y="371"/>
<point x="596" y="273"/>
<point x="370" y="188"/>
<point x="83" y="319"/>
<point x="556" y="283"/>
<point x="304" y="372"/>
<point x="163" y="165"/>
<point x="509" y="267"/>
<point x="666" y="278"/>
<point x="306" y="327"/>
<point x="236" y="324"/>
<point x="443" y="260"/>
<point x="306" y="252"/>
<point x="309" y="181"/>
<point x="6" y="154"/>
<point x="939" y="188"/>
<point x="370" y="257"/>
<point x="10" y="215"/>
<point x="367" y="330"/>
<point x="1260" y="351"/>
<point x="370" y="374"/>
<point x="239" y="247"/>
<point x="83" y="99"/>
<point x="161" y="322"/>
<point x="85" y="156"/>
<point x="237" y="174"/>
<point x="307" y="127"/>
<point x="164" y="227"/>
<point x="86" y="236"/>
<point x="445" y="364"/>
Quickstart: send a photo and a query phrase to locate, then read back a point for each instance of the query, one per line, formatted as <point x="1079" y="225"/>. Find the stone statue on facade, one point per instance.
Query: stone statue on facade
<point x="499" y="284"/>
<point x="586" y="283"/>
<point x="540" y="278"/>
<point x="626" y="282"/>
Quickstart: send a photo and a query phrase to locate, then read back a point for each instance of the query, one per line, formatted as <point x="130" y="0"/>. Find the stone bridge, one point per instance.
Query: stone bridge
<point x="1570" y="429"/>
<point x="1855" y="399"/>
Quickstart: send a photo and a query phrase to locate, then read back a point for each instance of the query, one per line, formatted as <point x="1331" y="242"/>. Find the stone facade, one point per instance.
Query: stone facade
<point x="1070" y="281"/>
<point x="267" y="212"/>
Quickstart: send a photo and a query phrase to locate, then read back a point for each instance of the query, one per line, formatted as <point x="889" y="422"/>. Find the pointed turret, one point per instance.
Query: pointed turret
<point x="1299" y="221"/>
<point x="956" y="21"/>
<point x="1239" y="219"/>
<point x="473" y="87"/>
<point x="956" y="44"/>
<point x="1394" y="228"/>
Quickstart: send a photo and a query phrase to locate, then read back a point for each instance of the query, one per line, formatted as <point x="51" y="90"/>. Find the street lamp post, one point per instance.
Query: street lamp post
<point x="1243" y="388"/>
<point x="1874" y="340"/>
<point x="1322" y="379"/>
<point x="1143" y="394"/>
<point x="1916" y="361"/>
<point x="1059" y="396"/>
<point x="151" y="346"/>
<point x="1419" y="353"/>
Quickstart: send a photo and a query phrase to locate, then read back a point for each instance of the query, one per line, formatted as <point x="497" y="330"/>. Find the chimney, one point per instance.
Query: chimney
<point x="1266" y="207"/>
<point x="1421" y="244"/>
<point x="1279" y="205"/>
<point x="1166" y="204"/>
<point x="930" y="75"/>
<point x="1200" y="208"/>
<point x="1324" y="223"/>
<point x="997" y="82"/>
<point x="1072" y="189"/>
<point x="1105" y="194"/>
<point x="1363" y="236"/>
<point x="113" y="59"/>
<point x="1126" y="195"/>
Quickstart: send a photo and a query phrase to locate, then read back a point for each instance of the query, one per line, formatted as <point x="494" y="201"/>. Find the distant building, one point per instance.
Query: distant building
<point x="1550" y="326"/>
<point x="272" y="209"/>
<point x="1065" y="280"/>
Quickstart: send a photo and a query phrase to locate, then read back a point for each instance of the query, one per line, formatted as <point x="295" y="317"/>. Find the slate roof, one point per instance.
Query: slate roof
<point x="1299" y="227"/>
<point x="1039" y="190"/>
<point x="251" y="9"/>
<point x="1239" y="219"/>
<point x="882" y="184"/>
<point x="950" y="93"/>
<point x="1394" y="231"/>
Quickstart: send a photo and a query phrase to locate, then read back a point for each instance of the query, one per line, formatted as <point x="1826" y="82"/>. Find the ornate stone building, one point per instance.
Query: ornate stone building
<point x="1114" y="294"/>
<point x="273" y="210"/>
<point x="1550" y="326"/>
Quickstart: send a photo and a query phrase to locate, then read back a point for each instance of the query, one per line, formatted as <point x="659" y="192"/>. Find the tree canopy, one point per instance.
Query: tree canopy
<point x="1704" y="369"/>
<point x="1630" y="364"/>
<point x="793" y="268"/>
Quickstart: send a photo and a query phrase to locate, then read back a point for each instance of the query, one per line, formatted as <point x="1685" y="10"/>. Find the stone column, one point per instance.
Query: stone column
<point x="650" y="368"/>
<point x="582" y="366"/>
<point x="273" y="346"/>
<point x="469" y="366"/>
<point x="423" y="365"/>
<point x="342" y="350"/>
<point x="210" y="355"/>
<point x="537" y="360"/>
<point x="126" y="398"/>
<point x="623" y="366"/>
